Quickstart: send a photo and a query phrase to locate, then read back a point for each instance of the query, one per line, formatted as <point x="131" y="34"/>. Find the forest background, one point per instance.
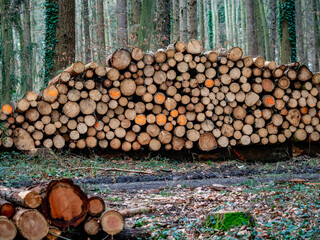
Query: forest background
<point x="39" y="38"/>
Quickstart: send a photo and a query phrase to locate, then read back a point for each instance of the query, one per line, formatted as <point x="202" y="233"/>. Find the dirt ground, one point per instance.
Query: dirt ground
<point x="181" y="195"/>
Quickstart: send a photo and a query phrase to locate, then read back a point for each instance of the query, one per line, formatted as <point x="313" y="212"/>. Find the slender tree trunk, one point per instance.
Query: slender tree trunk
<point x="64" y="51"/>
<point x="192" y="19"/>
<point x="226" y="15"/>
<point x="316" y="31"/>
<point x="265" y="31"/>
<point x="163" y="23"/>
<point x="122" y="33"/>
<point x="243" y="26"/>
<point x="146" y="24"/>
<point x="236" y="12"/>
<point x="100" y="35"/>
<point x="206" y="23"/>
<point x="259" y="28"/>
<point x="27" y="44"/>
<point x="300" y="33"/>
<point x="86" y="23"/>
<point x="176" y="20"/>
<point x="215" y="19"/>
<point x="273" y="28"/>
<point x="210" y="24"/>
<point x="201" y="21"/>
<point x="7" y="43"/>
<point x="93" y="29"/>
<point x="183" y="20"/>
<point x="136" y="14"/>
<point x="110" y="43"/>
<point x="232" y="22"/>
<point x="78" y="30"/>
<point x="19" y="49"/>
<point x="251" y="30"/>
<point x="287" y="31"/>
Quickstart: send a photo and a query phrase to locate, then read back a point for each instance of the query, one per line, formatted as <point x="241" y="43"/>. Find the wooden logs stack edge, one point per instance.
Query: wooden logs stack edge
<point x="175" y="98"/>
<point x="63" y="204"/>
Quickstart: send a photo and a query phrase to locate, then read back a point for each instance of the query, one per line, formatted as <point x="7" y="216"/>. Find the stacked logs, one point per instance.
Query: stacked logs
<point x="171" y="99"/>
<point x="44" y="211"/>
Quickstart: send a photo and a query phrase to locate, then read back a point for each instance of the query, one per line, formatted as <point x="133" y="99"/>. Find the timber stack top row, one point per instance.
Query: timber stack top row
<point x="171" y="99"/>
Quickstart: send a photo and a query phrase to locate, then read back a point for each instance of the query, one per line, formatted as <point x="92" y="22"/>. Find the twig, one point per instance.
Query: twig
<point x="111" y="169"/>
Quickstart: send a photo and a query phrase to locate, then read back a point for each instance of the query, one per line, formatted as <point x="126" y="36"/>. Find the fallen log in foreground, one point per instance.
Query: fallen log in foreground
<point x="64" y="205"/>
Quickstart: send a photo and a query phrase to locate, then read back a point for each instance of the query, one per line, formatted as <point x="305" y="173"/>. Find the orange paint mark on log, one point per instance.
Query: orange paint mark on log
<point x="174" y="113"/>
<point x="170" y="118"/>
<point x="209" y="83"/>
<point x="96" y="125"/>
<point x="53" y="92"/>
<point x="114" y="94"/>
<point x="304" y="110"/>
<point x="180" y="109"/>
<point x="284" y="112"/>
<point x="7" y="109"/>
<point x="140" y="120"/>
<point x="182" y="120"/>
<point x="170" y="127"/>
<point x="161" y="119"/>
<point x="161" y="98"/>
<point x="269" y="100"/>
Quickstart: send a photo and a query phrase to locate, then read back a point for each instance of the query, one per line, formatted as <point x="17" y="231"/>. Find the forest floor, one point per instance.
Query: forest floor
<point x="182" y="194"/>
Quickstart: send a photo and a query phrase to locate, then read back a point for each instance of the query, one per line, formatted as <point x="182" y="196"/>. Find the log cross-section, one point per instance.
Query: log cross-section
<point x="64" y="203"/>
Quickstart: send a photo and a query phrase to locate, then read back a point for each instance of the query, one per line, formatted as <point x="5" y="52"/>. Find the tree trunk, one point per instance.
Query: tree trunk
<point x="265" y="31"/>
<point x="215" y="22"/>
<point x="122" y="30"/>
<point x="201" y="21"/>
<point x="87" y="42"/>
<point x="192" y="19"/>
<point x="7" y="44"/>
<point x="210" y="24"/>
<point x="163" y="23"/>
<point x="273" y="28"/>
<point x="101" y="37"/>
<point x="136" y="13"/>
<point x="108" y="24"/>
<point x="259" y="28"/>
<point x="79" y="33"/>
<point x="287" y="31"/>
<point x="146" y="24"/>
<point x="226" y="16"/>
<point x="251" y="29"/>
<point x="316" y="32"/>
<point x="183" y="20"/>
<point x="64" y="51"/>
<point x="27" y="59"/>
<point x="243" y="26"/>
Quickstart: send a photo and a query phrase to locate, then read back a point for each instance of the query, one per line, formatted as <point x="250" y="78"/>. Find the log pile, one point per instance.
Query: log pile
<point x="63" y="204"/>
<point x="178" y="98"/>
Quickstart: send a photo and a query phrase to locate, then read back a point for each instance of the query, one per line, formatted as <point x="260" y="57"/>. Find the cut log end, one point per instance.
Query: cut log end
<point x="8" y="230"/>
<point x="112" y="222"/>
<point x="65" y="204"/>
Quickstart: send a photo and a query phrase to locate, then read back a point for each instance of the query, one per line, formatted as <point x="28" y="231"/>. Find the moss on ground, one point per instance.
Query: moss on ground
<point x="227" y="220"/>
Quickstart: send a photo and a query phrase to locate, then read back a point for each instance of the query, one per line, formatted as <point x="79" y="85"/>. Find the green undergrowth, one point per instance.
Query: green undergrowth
<point x="19" y="167"/>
